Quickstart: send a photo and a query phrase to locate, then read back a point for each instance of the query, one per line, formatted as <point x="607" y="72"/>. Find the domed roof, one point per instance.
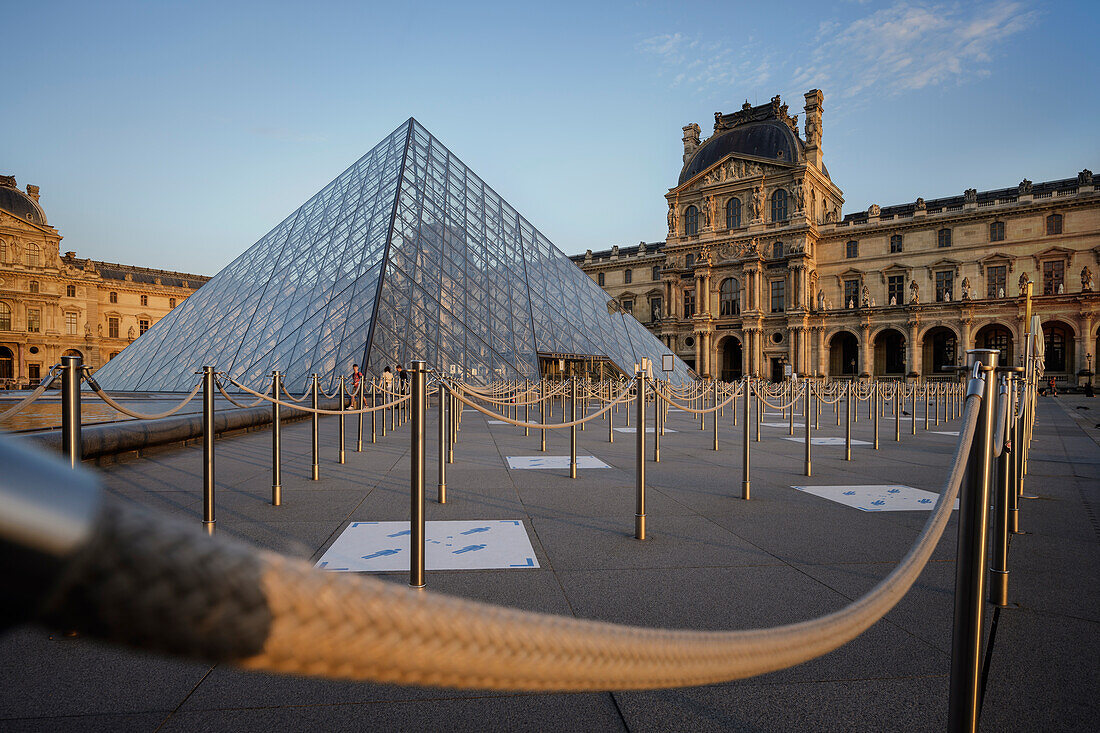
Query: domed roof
<point x="14" y="201"/>
<point x="768" y="139"/>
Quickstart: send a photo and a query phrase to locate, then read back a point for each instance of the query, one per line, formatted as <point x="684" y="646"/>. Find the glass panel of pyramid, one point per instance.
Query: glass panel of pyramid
<point x="406" y="255"/>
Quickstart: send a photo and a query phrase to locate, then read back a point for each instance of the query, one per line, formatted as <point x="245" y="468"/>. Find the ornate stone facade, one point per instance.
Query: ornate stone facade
<point x="760" y="270"/>
<point x="52" y="303"/>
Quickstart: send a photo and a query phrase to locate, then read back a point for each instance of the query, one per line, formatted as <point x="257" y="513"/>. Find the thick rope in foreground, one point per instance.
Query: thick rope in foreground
<point x="319" y="411"/>
<point x="456" y="390"/>
<point x="21" y="404"/>
<point x="140" y="415"/>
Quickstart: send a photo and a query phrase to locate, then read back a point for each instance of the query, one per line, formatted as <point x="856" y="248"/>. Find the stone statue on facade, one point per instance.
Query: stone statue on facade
<point x="672" y="218"/>
<point x="712" y="211"/>
<point x="1024" y="187"/>
<point x="821" y="300"/>
<point x="706" y="212"/>
<point x="1061" y="288"/>
<point x="864" y="297"/>
<point x="707" y="256"/>
<point x="970" y="196"/>
<point x="851" y="303"/>
<point x="914" y="292"/>
<point x="920" y="205"/>
<point x="966" y="288"/>
<point x="758" y="199"/>
<point x="1022" y="282"/>
<point x="1000" y="292"/>
<point x="1084" y="178"/>
<point x="873" y="210"/>
<point x="873" y="304"/>
<point x="799" y="196"/>
<point x="130" y="334"/>
<point x="1086" y="279"/>
<point x="893" y="300"/>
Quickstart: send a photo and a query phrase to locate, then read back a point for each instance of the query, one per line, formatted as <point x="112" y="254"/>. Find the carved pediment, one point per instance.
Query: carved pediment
<point x="894" y="269"/>
<point x="994" y="259"/>
<point x="1054" y="252"/>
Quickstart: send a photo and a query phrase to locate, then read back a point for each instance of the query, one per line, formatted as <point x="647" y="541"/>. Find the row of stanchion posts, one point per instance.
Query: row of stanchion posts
<point x="995" y="473"/>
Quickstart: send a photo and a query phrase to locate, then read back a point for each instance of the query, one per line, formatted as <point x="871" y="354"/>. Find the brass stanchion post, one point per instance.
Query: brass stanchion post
<point x="416" y="477"/>
<point x="639" y="511"/>
<point x="342" y="407"/>
<point x="315" y="424"/>
<point x="208" y="449"/>
<point x="72" y="442"/>
<point x="745" y="485"/>
<point x="276" y="442"/>
<point x="572" y="428"/>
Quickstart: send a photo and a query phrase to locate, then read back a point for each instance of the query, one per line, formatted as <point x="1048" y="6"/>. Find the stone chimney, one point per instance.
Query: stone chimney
<point x="691" y="140"/>
<point x="32" y="191"/>
<point x="814" y="99"/>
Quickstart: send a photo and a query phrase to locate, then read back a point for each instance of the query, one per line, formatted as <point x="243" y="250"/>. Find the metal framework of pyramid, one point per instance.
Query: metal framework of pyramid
<point x="406" y="255"/>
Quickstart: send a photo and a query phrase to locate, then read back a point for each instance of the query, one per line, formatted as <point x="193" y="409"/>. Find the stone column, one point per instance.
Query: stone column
<point x="964" y="331"/>
<point x="822" y="354"/>
<point x="914" y="364"/>
<point x="1087" y="342"/>
<point x="866" y="353"/>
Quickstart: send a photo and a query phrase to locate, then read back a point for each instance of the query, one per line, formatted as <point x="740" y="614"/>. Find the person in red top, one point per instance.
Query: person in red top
<point x="356" y="378"/>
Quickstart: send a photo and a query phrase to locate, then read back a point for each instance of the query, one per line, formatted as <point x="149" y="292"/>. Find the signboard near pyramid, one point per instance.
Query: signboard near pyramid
<point x="406" y="255"/>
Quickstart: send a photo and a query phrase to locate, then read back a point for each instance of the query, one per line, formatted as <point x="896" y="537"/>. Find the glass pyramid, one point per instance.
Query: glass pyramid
<point x="406" y="255"/>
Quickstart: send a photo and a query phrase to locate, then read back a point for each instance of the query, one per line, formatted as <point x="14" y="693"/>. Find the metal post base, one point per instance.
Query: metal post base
<point x="276" y="495"/>
<point x="639" y="526"/>
<point x="316" y="472"/>
<point x="745" y="490"/>
<point x="341" y="456"/>
<point x="443" y="493"/>
<point x="1014" y="521"/>
<point x="998" y="587"/>
<point x="209" y="527"/>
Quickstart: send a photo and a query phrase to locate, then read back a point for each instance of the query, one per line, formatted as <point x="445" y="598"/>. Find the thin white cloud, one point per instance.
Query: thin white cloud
<point x="912" y="46"/>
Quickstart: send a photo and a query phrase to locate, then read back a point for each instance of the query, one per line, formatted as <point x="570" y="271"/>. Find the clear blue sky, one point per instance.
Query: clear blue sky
<point x="175" y="134"/>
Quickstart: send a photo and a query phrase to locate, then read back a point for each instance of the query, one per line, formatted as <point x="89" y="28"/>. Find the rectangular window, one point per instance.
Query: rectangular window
<point x="112" y="328"/>
<point x="895" y="244"/>
<point x="1054" y="274"/>
<point x="34" y="320"/>
<point x="996" y="279"/>
<point x="143" y="326"/>
<point x="851" y="251"/>
<point x="996" y="231"/>
<point x="779" y="291"/>
<point x="655" y="309"/>
<point x="70" y="291"/>
<point x="689" y="304"/>
<point x="895" y="289"/>
<point x="172" y="302"/>
<point x="944" y="281"/>
<point x="113" y="297"/>
<point x="628" y="276"/>
<point x="628" y="306"/>
<point x="656" y="272"/>
<point x="145" y="300"/>
<point x="851" y="293"/>
<point x="34" y="286"/>
<point x="599" y="281"/>
<point x="944" y="238"/>
<point x="689" y="260"/>
<point x="34" y="372"/>
<point x="70" y="324"/>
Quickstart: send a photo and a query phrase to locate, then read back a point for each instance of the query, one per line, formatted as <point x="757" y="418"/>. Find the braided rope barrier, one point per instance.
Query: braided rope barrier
<point x="133" y="413"/>
<point x="458" y="389"/>
<point x="38" y="391"/>
<point x="319" y="411"/>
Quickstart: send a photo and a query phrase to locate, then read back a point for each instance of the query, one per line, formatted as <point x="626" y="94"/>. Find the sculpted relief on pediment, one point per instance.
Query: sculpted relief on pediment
<point x="734" y="169"/>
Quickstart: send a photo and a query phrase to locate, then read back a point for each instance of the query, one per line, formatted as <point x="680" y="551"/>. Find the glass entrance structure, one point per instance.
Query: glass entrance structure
<point x="406" y="255"/>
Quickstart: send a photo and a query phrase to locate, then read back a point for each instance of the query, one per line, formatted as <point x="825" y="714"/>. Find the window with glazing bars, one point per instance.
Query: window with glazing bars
<point x="689" y="304"/>
<point x="895" y="288"/>
<point x="1054" y="274"/>
<point x="851" y="293"/>
<point x="34" y="320"/>
<point x="996" y="279"/>
<point x="691" y="221"/>
<point x="944" y="281"/>
<point x="996" y="231"/>
<point x="779" y="290"/>
<point x="944" y="238"/>
<point x="733" y="213"/>
<point x="70" y="324"/>
<point x="895" y="244"/>
<point x="1054" y="224"/>
<point x="112" y="328"/>
<point x="851" y="250"/>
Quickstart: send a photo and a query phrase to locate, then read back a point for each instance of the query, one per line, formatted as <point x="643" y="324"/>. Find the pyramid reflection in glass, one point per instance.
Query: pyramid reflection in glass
<point x="406" y="255"/>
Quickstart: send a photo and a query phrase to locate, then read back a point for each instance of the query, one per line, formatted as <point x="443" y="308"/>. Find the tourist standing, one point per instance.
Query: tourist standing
<point x="387" y="379"/>
<point x="404" y="376"/>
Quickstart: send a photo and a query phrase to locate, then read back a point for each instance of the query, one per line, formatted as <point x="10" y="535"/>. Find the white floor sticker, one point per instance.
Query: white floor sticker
<point x="554" y="462"/>
<point x="827" y="441"/>
<point x="782" y="424"/>
<point x="375" y="547"/>
<point x="634" y="430"/>
<point x="948" y="432"/>
<point x="877" y="498"/>
<point x="497" y="422"/>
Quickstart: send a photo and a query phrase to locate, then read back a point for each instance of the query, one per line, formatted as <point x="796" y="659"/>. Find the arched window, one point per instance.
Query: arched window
<point x="628" y="276"/>
<point x="729" y="297"/>
<point x="1055" y="337"/>
<point x="113" y="297"/>
<point x="691" y="221"/>
<point x="7" y="363"/>
<point x="996" y="231"/>
<point x="777" y="250"/>
<point x="733" y="213"/>
<point x="5" y="317"/>
<point x="779" y="205"/>
<point x="145" y="300"/>
<point x="34" y="252"/>
<point x="851" y="250"/>
<point x="70" y="291"/>
<point x="895" y="243"/>
<point x="944" y="238"/>
<point x="1054" y="224"/>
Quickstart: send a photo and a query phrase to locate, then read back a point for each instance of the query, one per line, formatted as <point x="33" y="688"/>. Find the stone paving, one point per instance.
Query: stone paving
<point x="712" y="562"/>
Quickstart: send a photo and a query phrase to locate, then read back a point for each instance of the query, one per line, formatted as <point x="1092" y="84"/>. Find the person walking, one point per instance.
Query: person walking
<point x="387" y="379"/>
<point x="356" y="378"/>
<point x="404" y="377"/>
